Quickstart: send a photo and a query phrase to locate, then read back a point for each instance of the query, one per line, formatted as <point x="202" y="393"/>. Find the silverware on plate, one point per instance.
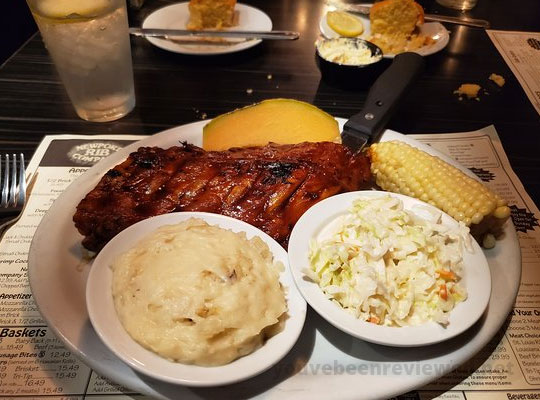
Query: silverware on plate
<point x="184" y="34"/>
<point x="364" y="10"/>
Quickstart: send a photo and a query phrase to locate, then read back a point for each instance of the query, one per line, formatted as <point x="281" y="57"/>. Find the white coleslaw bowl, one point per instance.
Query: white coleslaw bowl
<point x="476" y="278"/>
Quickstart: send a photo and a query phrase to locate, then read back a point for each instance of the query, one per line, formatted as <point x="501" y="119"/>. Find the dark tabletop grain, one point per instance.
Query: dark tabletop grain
<point x="173" y="89"/>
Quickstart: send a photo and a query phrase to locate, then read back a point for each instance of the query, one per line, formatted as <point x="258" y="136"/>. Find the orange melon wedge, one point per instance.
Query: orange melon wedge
<point x="283" y="121"/>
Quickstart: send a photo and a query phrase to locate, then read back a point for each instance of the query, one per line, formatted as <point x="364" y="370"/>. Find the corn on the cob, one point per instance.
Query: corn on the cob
<point x="400" y="168"/>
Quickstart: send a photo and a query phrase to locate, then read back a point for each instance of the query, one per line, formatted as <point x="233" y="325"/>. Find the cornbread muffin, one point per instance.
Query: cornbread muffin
<point x="210" y="14"/>
<point x="394" y="26"/>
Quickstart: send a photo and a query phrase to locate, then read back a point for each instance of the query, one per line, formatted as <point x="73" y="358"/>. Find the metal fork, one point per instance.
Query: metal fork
<point x="13" y="191"/>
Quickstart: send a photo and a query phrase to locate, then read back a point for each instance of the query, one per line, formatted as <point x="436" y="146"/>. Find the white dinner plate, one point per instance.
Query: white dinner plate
<point x="476" y="277"/>
<point x="58" y="273"/>
<point x="176" y="16"/>
<point x="105" y="321"/>
<point x="434" y="30"/>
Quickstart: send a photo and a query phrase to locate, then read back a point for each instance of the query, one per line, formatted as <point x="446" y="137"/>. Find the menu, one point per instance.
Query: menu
<point x="521" y="51"/>
<point x="36" y="364"/>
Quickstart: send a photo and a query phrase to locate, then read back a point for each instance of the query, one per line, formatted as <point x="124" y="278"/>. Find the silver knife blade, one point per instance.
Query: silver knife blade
<point x="176" y="33"/>
<point x="355" y="139"/>
<point x="364" y="10"/>
<point x="477" y="23"/>
<point x="355" y="8"/>
<point x="200" y="41"/>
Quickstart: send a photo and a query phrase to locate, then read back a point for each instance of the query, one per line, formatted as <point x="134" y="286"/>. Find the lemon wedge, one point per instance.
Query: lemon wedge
<point x="66" y="8"/>
<point x="344" y="23"/>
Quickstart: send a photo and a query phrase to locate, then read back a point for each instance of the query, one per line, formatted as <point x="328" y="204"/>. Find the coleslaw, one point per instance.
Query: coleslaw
<point x="391" y="266"/>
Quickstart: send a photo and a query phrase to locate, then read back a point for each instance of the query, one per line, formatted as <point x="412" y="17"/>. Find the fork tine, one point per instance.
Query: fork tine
<point x="4" y="202"/>
<point x="12" y="201"/>
<point x="22" y="181"/>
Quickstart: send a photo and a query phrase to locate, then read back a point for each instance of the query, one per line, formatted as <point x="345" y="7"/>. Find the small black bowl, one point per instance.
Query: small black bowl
<point x="353" y="76"/>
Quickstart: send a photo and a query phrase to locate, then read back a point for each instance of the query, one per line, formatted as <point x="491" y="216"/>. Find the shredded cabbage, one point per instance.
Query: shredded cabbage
<point x="390" y="266"/>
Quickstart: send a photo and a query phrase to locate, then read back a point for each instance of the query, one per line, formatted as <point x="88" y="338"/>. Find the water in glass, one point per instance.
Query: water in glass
<point x="88" y="41"/>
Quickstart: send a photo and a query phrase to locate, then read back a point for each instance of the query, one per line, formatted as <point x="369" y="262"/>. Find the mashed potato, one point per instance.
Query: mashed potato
<point x="198" y="294"/>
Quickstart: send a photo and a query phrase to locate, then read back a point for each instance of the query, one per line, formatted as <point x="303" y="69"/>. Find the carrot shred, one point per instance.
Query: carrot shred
<point x="446" y="274"/>
<point x="443" y="293"/>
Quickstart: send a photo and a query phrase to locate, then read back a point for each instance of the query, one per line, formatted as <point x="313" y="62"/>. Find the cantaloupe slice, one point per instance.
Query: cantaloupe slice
<point x="283" y="121"/>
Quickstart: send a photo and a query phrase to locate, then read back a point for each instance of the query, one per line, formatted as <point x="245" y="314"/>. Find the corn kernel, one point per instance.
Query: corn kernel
<point x="502" y="212"/>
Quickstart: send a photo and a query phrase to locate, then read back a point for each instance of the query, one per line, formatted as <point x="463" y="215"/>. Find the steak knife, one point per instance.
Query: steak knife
<point x="382" y="100"/>
<point x="178" y="33"/>
<point x="364" y="10"/>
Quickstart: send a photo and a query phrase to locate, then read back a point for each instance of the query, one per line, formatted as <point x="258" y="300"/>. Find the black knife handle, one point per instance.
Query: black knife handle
<point x="385" y="94"/>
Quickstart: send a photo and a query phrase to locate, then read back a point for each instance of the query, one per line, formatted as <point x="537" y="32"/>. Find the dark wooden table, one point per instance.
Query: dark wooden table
<point x="173" y="89"/>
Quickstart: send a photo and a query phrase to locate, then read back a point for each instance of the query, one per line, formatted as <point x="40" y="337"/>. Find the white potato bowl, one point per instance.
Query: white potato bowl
<point x="100" y="305"/>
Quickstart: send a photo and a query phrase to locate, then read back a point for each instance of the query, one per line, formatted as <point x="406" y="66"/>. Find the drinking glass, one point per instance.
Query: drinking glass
<point x="463" y="5"/>
<point x="88" y="41"/>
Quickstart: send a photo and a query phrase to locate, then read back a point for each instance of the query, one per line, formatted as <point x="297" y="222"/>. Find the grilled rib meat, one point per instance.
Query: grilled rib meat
<point x="269" y="187"/>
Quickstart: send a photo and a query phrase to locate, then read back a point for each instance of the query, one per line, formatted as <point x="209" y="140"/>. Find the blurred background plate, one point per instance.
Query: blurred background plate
<point x="176" y="16"/>
<point x="434" y="30"/>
